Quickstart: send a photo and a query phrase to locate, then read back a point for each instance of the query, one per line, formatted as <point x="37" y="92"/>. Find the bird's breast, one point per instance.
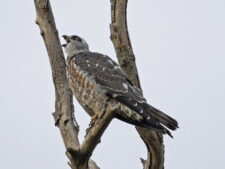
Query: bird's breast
<point x="85" y="89"/>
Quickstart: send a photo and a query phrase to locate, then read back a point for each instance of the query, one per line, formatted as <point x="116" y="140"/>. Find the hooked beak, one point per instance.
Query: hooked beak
<point x="65" y="37"/>
<point x="67" y="40"/>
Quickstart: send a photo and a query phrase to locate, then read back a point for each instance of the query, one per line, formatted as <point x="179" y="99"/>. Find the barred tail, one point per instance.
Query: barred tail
<point x="152" y="118"/>
<point x="162" y="118"/>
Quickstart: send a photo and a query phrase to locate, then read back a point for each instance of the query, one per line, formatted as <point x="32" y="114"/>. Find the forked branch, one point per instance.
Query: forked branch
<point x="80" y="154"/>
<point x="126" y="58"/>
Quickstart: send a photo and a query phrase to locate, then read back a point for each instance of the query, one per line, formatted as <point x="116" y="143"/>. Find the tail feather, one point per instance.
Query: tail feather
<point x="158" y="120"/>
<point x="161" y="117"/>
<point x="156" y="126"/>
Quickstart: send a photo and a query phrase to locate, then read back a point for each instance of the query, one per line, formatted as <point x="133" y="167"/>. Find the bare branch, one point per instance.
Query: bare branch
<point x="64" y="110"/>
<point x="121" y="40"/>
<point x="92" y="165"/>
<point x="95" y="133"/>
<point x="126" y="58"/>
<point x="83" y="154"/>
<point x="64" y="101"/>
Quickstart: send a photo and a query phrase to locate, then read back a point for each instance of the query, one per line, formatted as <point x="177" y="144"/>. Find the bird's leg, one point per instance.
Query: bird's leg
<point x="92" y="122"/>
<point x="93" y="119"/>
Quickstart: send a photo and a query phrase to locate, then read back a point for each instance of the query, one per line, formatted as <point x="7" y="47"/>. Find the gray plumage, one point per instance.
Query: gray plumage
<point x="110" y="85"/>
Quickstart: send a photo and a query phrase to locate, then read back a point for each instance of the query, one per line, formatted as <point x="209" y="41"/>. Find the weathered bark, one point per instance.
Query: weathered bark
<point x="64" y="101"/>
<point x="78" y="155"/>
<point x="126" y="58"/>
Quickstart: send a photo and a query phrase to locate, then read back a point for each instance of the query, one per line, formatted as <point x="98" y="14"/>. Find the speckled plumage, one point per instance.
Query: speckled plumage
<point x="94" y="81"/>
<point x="97" y="80"/>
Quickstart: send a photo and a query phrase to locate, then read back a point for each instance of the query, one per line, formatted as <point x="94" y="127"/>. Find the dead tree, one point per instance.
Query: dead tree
<point x="79" y="154"/>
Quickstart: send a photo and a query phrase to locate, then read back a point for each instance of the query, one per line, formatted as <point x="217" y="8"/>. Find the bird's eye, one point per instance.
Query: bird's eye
<point x="74" y="37"/>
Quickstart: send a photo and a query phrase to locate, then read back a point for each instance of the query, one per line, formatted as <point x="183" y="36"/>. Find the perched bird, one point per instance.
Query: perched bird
<point x="96" y="80"/>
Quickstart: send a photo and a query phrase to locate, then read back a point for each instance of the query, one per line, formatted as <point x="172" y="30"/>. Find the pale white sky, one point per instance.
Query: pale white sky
<point x="180" y="51"/>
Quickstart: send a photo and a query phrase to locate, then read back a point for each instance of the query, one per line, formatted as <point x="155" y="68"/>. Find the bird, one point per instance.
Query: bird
<point x="97" y="81"/>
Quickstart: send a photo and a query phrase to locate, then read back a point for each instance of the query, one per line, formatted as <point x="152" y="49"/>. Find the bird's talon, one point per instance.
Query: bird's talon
<point x="93" y="119"/>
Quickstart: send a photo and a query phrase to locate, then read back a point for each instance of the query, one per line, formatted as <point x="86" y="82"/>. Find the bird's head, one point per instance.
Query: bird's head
<point x="74" y="45"/>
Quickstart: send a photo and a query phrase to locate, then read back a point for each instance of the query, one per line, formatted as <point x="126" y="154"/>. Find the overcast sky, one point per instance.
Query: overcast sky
<point x="180" y="53"/>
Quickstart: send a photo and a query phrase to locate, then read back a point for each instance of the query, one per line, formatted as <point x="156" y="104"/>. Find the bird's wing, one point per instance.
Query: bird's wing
<point x="108" y="75"/>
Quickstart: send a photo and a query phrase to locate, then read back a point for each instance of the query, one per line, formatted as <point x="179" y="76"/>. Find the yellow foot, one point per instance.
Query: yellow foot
<point x="92" y="122"/>
<point x="93" y="118"/>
